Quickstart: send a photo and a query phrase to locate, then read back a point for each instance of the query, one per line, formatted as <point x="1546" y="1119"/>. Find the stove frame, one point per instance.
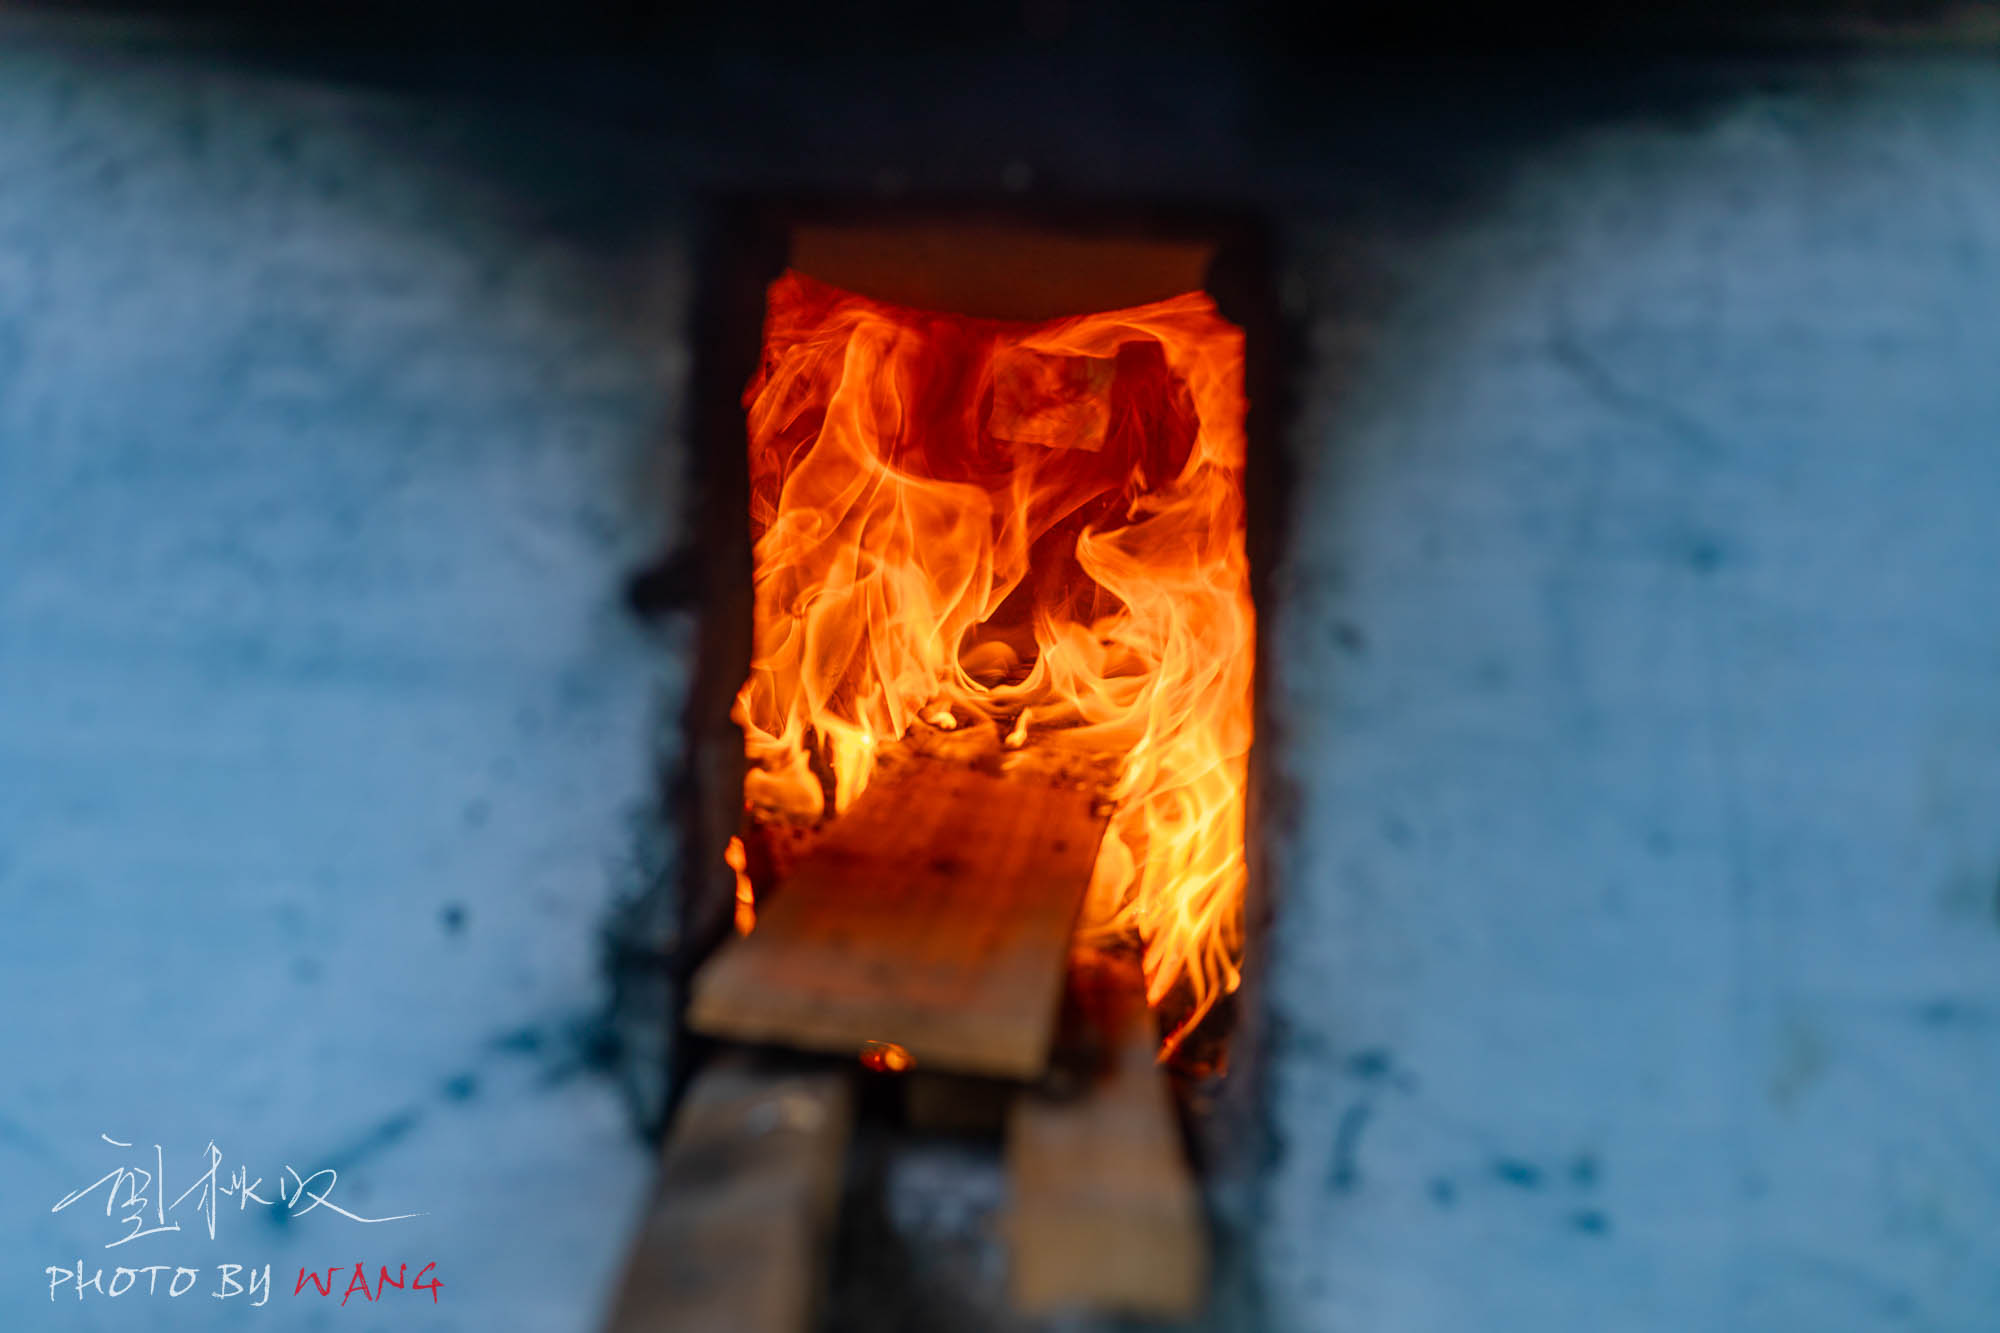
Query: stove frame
<point x="744" y="244"/>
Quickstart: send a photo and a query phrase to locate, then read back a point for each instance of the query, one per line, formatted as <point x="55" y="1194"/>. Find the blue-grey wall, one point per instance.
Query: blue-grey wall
<point x="322" y="729"/>
<point x="1639" y="958"/>
<point x="1639" y="953"/>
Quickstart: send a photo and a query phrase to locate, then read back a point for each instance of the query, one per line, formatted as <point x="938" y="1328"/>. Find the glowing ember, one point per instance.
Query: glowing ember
<point x="746" y="897"/>
<point x="968" y="519"/>
<point x="886" y="1057"/>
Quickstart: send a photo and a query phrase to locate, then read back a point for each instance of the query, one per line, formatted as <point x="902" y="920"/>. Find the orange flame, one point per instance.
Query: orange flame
<point x="961" y="519"/>
<point x="738" y="860"/>
<point x="886" y="1057"/>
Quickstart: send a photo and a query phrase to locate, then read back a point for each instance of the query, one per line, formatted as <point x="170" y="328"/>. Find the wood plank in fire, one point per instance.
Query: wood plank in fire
<point x="737" y="1238"/>
<point x="1103" y="1214"/>
<point x="934" y="914"/>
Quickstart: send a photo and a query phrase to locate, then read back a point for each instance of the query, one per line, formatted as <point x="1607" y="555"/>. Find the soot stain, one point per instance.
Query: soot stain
<point x="1272" y="1147"/>
<point x="1443" y="1193"/>
<point x="1307" y="1043"/>
<point x="520" y="1041"/>
<point x="1590" y="1222"/>
<point x="383" y="1134"/>
<point x="594" y="1048"/>
<point x="1373" y="1063"/>
<point x="562" y="1050"/>
<point x="1518" y="1173"/>
<point x="1950" y="1012"/>
<point x="461" y="1087"/>
<point x="1349" y="638"/>
<point x="1583" y="1171"/>
<point x="1346" y="1173"/>
<point x="452" y="917"/>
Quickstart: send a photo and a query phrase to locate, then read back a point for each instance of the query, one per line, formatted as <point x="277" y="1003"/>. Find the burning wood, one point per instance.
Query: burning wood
<point x="1034" y="526"/>
<point x="935" y="914"/>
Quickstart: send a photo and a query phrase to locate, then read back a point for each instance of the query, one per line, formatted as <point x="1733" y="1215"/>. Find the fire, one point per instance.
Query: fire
<point x="886" y="1057"/>
<point x="961" y="520"/>
<point x="738" y="860"/>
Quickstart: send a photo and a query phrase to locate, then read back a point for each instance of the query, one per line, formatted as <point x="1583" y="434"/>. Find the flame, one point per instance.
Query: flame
<point x="1019" y="735"/>
<point x="886" y="1057"/>
<point x="968" y="519"/>
<point x="738" y="860"/>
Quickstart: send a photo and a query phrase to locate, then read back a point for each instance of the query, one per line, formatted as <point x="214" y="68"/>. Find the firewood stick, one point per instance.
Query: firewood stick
<point x="1103" y="1213"/>
<point x="736" y="1240"/>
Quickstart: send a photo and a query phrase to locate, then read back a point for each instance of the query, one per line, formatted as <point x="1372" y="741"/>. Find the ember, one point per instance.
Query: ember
<point x="886" y="1057"/>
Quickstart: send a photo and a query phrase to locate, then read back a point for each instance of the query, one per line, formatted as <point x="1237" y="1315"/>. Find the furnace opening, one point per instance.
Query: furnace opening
<point x="1017" y="547"/>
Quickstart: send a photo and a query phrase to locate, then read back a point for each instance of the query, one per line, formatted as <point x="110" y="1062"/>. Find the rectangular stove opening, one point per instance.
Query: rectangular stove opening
<point x="978" y="611"/>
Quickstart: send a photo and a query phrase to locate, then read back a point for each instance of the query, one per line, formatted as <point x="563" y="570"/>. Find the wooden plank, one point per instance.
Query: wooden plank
<point x="1103" y="1213"/>
<point x="934" y="914"/>
<point x="749" y="1189"/>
